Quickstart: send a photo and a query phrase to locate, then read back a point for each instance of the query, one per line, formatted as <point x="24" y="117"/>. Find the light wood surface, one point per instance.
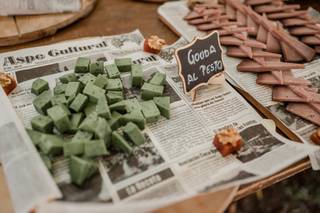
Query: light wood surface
<point x="20" y="29"/>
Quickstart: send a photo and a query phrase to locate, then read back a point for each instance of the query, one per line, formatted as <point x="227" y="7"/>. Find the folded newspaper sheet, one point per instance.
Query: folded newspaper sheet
<point x="29" y="7"/>
<point x="177" y="162"/>
<point x="173" y="14"/>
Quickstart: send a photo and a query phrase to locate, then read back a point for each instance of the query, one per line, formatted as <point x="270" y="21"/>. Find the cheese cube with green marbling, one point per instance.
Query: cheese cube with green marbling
<point x="123" y="64"/>
<point x="60" y="118"/>
<point x="135" y="117"/>
<point x="93" y="92"/>
<point x="43" y="102"/>
<point x="58" y="99"/>
<point x="90" y="108"/>
<point x="51" y="145"/>
<point x="35" y="136"/>
<point x="81" y="169"/>
<point x="70" y="77"/>
<point x="150" y="111"/>
<point x="89" y="123"/>
<point x="59" y="89"/>
<point x="95" y="148"/>
<point x="163" y="104"/>
<point x="133" y="132"/>
<point x="136" y="75"/>
<point x="87" y="78"/>
<point x="114" y="85"/>
<point x="101" y="81"/>
<point x="73" y="148"/>
<point x="114" y="96"/>
<point x="97" y="68"/>
<point x="132" y="104"/>
<point x="120" y="106"/>
<point x="73" y="88"/>
<point x="112" y="71"/>
<point x="39" y="86"/>
<point x="76" y="119"/>
<point x="158" y="79"/>
<point x="82" y="65"/>
<point x="42" y="123"/>
<point x="150" y="90"/>
<point x="82" y="135"/>
<point x="120" y="143"/>
<point x="102" y="108"/>
<point x="65" y="108"/>
<point x="115" y="121"/>
<point x="79" y="103"/>
<point x="102" y="130"/>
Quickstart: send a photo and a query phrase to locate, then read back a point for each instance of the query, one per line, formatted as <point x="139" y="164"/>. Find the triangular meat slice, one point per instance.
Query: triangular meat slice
<point x="289" y="54"/>
<point x="285" y="94"/>
<point x="308" y="94"/>
<point x="247" y="50"/>
<point x="260" y="60"/>
<point x="292" y="22"/>
<point x="283" y="15"/>
<point x="302" y="31"/>
<point x="252" y="66"/>
<point x="311" y="40"/>
<point x="262" y="34"/>
<point x="231" y="30"/>
<point x="269" y="79"/>
<point x="213" y="26"/>
<point x="230" y="12"/>
<point x="279" y="76"/>
<point x="255" y="43"/>
<point x="229" y="40"/>
<point x="269" y="8"/>
<point x="254" y="25"/>
<point x="315" y="106"/>
<point x="239" y="53"/>
<point x="273" y="44"/>
<point x="305" y="111"/>
<point x="242" y="36"/>
<point x="241" y="19"/>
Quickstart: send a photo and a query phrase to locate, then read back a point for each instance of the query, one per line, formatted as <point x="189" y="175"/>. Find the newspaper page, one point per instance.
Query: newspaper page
<point x="177" y="161"/>
<point x="247" y="81"/>
<point x="30" y="7"/>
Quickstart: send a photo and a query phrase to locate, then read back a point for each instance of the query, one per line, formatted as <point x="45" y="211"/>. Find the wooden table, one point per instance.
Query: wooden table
<point x="112" y="17"/>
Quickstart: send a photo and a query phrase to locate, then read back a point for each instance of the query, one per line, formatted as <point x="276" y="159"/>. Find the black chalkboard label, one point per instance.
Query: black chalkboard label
<point x="199" y="61"/>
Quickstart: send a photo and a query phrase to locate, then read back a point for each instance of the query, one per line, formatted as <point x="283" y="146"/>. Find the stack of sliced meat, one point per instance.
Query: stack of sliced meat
<point x="266" y="49"/>
<point x="298" y="22"/>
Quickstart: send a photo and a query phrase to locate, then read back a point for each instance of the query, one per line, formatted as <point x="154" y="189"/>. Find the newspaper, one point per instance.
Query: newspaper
<point x="173" y="13"/>
<point x="30" y="7"/>
<point x="177" y="161"/>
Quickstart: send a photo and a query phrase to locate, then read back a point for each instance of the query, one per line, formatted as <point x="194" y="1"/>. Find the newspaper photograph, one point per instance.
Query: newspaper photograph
<point x="178" y="159"/>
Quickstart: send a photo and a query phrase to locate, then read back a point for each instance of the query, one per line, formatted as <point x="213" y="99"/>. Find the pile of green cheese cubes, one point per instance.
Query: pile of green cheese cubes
<point x="86" y="116"/>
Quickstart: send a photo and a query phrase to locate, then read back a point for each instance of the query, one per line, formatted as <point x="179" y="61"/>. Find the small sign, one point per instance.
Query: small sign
<point x="199" y="61"/>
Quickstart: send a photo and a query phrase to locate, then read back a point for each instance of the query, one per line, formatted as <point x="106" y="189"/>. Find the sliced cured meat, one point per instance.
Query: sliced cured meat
<point x="242" y="36"/>
<point x="290" y="54"/>
<point x="262" y="34"/>
<point x="305" y="111"/>
<point x="260" y="60"/>
<point x="252" y="24"/>
<point x="213" y="26"/>
<point x="311" y="40"/>
<point x="230" y="12"/>
<point x="231" y="30"/>
<point x="247" y="50"/>
<point x="286" y="94"/>
<point x="317" y="49"/>
<point x="269" y="79"/>
<point x="309" y="95"/>
<point x="254" y="43"/>
<point x="241" y="19"/>
<point x="261" y="53"/>
<point x="282" y="15"/>
<point x="315" y="106"/>
<point x="279" y="76"/>
<point x="274" y="8"/>
<point x="302" y="31"/>
<point x="229" y="40"/>
<point x="292" y="22"/>
<point x="257" y="2"/>
<point x="239" y="53"/>
<point x="252" y="66"/>
<point x="273" y="44"/>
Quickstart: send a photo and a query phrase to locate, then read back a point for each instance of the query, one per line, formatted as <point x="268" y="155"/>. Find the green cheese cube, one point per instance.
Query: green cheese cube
<point x="150" y="90"/>
<point x="82" y="135"/>
<point x="112" y="71"/>
<point x="101" y="81"/>
<point x="115" y="121"/>
<point x="136" y="75"/>
<point x="97" y="68"/>
<point x="35" y="136"/>
<point x="82" y="65"/>
<point x="60" y="118"/>
<point x="81" y="169"/>
<point x="39" y="86"/>
<point x="120" y="106"/>
<point x="46" y="160"/>
<point x="158" y="79"/>
<point x="65" y="108"/>
<point x="102" y="108"/>
<point x="70" y="99"/>
<point x="163" y="104"/>
<point x="73" y="88"/>
<point x="70" y="77"/>
<point x="58" y="99"/>
<point x="114" y="85"/>
<point x="132" y="104"/>
<point x="42" y="123"/>
<point x="114" y="96"/>
<point x="133" y="132"/>
<point x="135" y="117"/>
<point x="59" y="89"/>
<point x="75" y="120"/>
<point x="73" y="148"/>
<point x="89" y="123"/>
<point x="90" y="108"/>
<point x="123" y="64"/>
<point x="79" y="103"/>
<point x="87" y="78"/>
<point x="51" y="145"/>
<point x="102" y="130"/>
<point x="43" y="102"/>
<point x="150" y="111"/>
<point x="93" y="92"/>
<point x="95" y="148"/>
<point x="120" y="143"/>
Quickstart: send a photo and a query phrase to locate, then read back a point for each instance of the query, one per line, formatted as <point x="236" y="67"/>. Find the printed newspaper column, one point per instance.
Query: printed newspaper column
<point x="200" y="63"/>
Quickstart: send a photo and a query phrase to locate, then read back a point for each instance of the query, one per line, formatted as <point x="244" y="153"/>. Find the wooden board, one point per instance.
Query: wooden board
<point x="21" y="29"/>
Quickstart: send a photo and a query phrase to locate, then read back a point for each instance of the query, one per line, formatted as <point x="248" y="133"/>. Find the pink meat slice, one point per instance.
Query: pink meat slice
<point x="255" y="43"/>
<point x="247" y="50"/>
<point x="317" y="49"/>
<point x="231" y="30"/>
<point x="260" y="60"/>
<point x="311" y="40"/>
<point x="229" y="40"/>
<point x="279" y="76"/>
<point x="269" y="8"/>
<point x="253" y="24"/>
<point x="283" y="15"/>
<point x="315" y="106"/>
<point x="242" y="36"/>
<point x="252" y="66"/>
<point x="269" y="79"/>
<point x="230" y="12"/>
<point x="289" y="54"/>
<point x="213" y="26"/>
<point x="302" y="31"/>
<point x="286" y="94"/>
<point x="292" y="22"/>
<point x="305" y="111"/>
<point x="239" y="53"/>
<point x="241" y="19"/>
<point x="262" y="34"/>
<point x="309" y="95"/>
<point x="257" y="2"/>
<point x="273" y="44"/>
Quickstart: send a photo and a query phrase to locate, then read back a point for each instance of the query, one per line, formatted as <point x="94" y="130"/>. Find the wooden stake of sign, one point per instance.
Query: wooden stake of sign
<point x="200" y="63"/>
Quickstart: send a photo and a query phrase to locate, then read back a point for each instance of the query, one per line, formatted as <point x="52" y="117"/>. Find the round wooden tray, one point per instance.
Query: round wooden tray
<point x="21" y="29"/>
